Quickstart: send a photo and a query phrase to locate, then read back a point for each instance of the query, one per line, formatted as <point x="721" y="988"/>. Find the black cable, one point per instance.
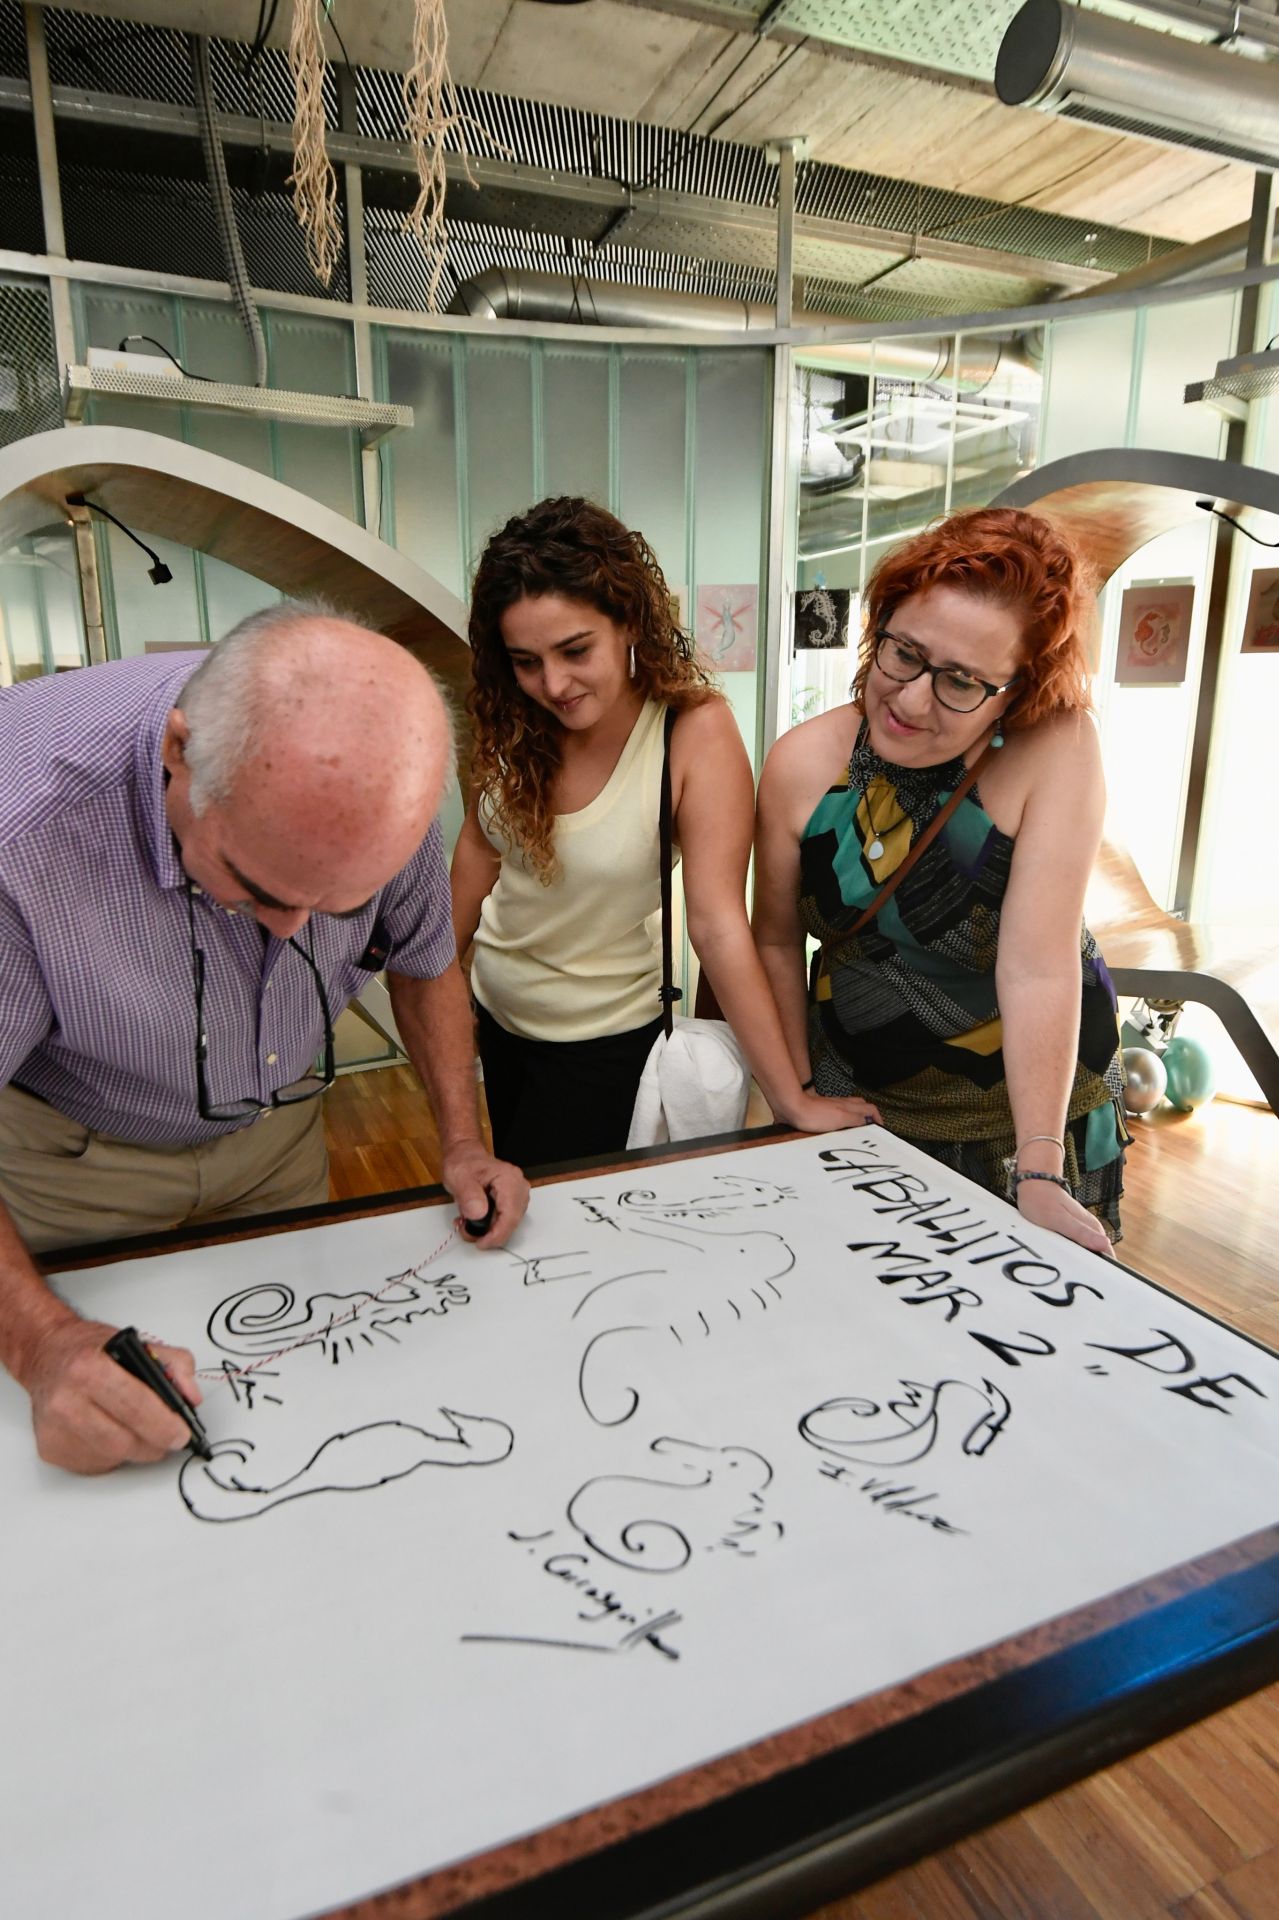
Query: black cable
<point x="328" y="15"/>
<point x="1210" y="507"/>
<point x="160" y="575"/>
<point x="153" y="342"/>
<point x="262" y="34"/>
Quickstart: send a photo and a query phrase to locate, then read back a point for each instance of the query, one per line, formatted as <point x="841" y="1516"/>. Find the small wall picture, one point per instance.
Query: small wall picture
<point x="727" y="619"/>
<point x="821" y="618"/>
<point x="1154" y="633"/>
<point x="1261" y="622"/>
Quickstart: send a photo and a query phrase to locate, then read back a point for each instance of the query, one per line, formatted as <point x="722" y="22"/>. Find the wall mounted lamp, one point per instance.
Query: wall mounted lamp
<point x="160" y="574"/>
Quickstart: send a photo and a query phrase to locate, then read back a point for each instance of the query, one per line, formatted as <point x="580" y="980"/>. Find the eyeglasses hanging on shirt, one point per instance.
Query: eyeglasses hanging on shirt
<point x="306" y="1088"/>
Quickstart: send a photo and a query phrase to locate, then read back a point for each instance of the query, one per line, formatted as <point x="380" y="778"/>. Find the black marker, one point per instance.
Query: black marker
<point x="477" y="1228"/>
<point x="129" y="1351"/>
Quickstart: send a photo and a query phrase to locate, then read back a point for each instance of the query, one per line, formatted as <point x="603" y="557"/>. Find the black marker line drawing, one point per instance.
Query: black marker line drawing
<point x="655" y="1525"/>
<point x="266" y="1319"/>
<point x="733" y="1193"/>
<point x="225" y="1487"/>
<point x="540" y="1269"/>
<point x="714" y="1292"/>
<point x="894" y="1433"/>
<point x="647" y="1633"/>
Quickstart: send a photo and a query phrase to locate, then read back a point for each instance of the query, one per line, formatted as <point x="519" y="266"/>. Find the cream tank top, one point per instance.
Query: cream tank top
<point x="582" y="957"/>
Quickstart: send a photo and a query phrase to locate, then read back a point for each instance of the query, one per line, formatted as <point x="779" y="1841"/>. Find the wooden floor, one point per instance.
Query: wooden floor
<point x="1190" y="1827"/>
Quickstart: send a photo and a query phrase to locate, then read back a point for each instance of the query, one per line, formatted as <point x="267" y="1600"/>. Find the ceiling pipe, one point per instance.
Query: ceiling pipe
<point x="1110" y="73"/>
<point x="521" y="294"/>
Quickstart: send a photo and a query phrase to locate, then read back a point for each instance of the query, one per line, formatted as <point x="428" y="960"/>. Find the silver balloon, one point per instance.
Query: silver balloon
<point x="1147" y="1081"/>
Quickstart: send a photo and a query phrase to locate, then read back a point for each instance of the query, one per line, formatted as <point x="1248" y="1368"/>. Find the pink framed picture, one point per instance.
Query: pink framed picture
<point x="1154" y="633"/>
<point x="726" y="630"/>
<point x="1261" y="622"/>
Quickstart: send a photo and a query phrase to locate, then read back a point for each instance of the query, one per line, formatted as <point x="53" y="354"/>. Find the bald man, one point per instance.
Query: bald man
<point x="202" y="858"/>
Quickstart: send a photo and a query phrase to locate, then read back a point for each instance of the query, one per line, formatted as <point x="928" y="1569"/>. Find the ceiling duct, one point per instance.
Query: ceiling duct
<point x="502" y="294"/>
<point x="1110" y="73"/>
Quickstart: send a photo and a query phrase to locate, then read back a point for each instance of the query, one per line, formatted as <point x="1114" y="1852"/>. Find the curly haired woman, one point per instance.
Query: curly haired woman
<point x="974" y="1006"/>
<point x="576" y="658"/>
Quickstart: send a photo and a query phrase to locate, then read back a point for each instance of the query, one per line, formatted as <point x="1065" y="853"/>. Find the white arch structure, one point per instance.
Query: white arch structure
<point x="161" y="486"/>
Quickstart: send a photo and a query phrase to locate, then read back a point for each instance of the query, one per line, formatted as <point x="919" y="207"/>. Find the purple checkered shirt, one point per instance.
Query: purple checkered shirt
<point x="97" y="1010"/>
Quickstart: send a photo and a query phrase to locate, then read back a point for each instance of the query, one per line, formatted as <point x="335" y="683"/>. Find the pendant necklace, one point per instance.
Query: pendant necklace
<point x="875" y="851"/>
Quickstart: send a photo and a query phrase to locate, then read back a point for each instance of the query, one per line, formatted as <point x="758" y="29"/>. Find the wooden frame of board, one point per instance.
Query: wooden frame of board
<point x="781" y="1826"/>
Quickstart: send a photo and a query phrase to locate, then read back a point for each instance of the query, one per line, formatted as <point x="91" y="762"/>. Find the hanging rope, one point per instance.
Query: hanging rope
<point x="314" y="183"/>
<point x="432" y="119"/>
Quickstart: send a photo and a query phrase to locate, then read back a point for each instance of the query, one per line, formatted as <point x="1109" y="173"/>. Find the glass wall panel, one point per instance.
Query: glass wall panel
<point x="654" y="454"/>
<point x="499" y="437"/>
<point x="1178" y="344"/>
<point x="58" y="589"/>
<point x="104" y="316"/>
<point x="1089" y="384"/>
<point x="217" y="346"/>
<point x="314" y="355"/>
<point x="421" y="509"/>
<point x="575" y="421"/>
<point x="731" y="469"/>
<point x="26" y="653"/>
<point x="995" y="433"/>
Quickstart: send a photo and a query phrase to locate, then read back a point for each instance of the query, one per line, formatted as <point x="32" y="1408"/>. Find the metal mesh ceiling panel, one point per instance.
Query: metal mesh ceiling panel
<point x="135" y="215"/>
<point x="21" y="218"/>
<point x="398" y="273"/>
<point x="869" y="199"/>
<point x="152" y="63"/>
<point x="13" y="41"/>
<point x="167" y="225"/>
<point x="958" y="36"/>
<point x="29" y="398"/>
<point x="952" y="36"/>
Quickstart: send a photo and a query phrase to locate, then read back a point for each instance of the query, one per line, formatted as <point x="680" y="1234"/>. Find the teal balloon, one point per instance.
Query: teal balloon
<point x="1192" y="1079"/>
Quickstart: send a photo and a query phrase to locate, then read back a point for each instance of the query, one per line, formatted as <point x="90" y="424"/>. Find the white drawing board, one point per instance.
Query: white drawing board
<point x="490" y="1538"/>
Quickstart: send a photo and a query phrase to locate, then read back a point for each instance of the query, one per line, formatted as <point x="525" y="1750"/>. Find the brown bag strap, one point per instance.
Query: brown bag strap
<point x="925" y="840"/>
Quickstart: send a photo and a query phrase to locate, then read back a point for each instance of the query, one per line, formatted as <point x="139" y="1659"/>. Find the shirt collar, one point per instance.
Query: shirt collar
<point x="149" y="778"/>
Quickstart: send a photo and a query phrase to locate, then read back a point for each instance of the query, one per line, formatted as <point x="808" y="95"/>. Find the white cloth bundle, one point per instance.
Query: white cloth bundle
<point x="695" y="1083"/>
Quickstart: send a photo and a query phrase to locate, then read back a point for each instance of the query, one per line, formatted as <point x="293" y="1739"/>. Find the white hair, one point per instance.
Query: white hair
<point x="225" y="703"/>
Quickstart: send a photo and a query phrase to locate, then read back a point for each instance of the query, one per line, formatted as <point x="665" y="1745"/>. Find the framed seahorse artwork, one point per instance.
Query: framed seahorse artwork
<point x="1154" y="633"/>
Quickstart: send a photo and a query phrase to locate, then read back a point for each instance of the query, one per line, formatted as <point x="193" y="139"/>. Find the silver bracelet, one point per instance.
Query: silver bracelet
<point x="1049" y="1138"/>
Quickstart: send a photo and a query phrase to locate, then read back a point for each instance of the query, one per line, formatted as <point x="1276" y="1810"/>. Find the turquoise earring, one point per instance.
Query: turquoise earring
<point x="997" y="740"/>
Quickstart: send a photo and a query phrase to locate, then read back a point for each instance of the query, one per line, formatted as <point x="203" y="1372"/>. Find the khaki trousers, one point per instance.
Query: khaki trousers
<point x="64" y="1184"/>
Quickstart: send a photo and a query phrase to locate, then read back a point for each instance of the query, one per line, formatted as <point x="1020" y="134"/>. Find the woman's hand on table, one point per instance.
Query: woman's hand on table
<point x="816" y="1113"/>
<point x="1044" y="1204"/>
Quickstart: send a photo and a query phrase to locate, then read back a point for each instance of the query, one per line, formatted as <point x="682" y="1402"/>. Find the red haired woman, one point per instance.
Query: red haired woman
<point x="576" y="659"/>
<point x="973" y="1007"/>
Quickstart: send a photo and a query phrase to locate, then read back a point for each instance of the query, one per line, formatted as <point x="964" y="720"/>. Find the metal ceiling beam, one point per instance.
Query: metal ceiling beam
<point x="156" y="116"/>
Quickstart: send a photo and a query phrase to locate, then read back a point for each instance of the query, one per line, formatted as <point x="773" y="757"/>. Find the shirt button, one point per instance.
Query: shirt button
<point x="197" y="890"/>
<point x="271" y="1059"/>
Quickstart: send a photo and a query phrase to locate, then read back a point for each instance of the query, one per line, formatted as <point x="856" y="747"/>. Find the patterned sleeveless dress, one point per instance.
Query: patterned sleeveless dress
<point x="905" y="1012"/>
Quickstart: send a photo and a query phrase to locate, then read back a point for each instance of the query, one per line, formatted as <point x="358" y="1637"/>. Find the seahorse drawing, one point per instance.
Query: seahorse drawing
<point x="229" y="1488"/>
<point x="635" y="1316"/>
<point x="270" y="1317"/>
<point x="706" y="1498"/>
<point x="895" y="1432"/>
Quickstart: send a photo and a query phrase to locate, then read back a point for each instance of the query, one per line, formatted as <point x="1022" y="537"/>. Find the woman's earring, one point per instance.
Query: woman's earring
<point x="632" y="660"/>
<point x="998" y="739"/>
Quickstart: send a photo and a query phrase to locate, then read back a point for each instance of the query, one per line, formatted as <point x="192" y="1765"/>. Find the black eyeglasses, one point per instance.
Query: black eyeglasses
<point x="962" y="692"/>
<point x="306" y="1088"/>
